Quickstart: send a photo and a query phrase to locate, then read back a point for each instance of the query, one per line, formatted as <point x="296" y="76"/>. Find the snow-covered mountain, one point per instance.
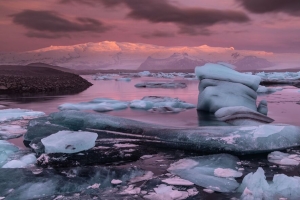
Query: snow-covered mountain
<point x="176" y="61"/>
<point x="124" y="55"/>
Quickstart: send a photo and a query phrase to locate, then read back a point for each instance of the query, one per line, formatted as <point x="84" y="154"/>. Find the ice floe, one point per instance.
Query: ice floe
<point x="161" y="104"/>
<point x="11" y="131"/>
<point x="23" y="162"/>
<point x="268" y="90"/>
<point x="161" y="85"/>
<point x="17" y="114"/>
<point x="99" y="105"/>
<point x="202" y="171"/>
<point x="69" y="142"/>
<point x="166" y="192"/>
<point x="279" y="77"/>
<point x="177" y="181"/>
<point x="280" y="158"/>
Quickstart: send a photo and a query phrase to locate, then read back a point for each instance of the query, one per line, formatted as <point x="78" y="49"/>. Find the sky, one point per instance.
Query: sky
<point x="263" y="25"/>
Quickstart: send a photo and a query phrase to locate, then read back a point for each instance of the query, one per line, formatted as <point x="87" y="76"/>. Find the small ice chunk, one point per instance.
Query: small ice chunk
<point x="17" y="114"/>
<point x="177" y="181"/>
<point x="131" y="190"/>
<point x="227" y="173"/>
<point x="116" y="182"/>
<point x="124" y="79"/>
<point x="95" y="186"/>
<point x="192" y="192"/>
<point x="144" y="73"/>
<point x="280" y="158"/>
<point x="263" y="89"/>
<point x="161" y="85"/>
<point x="28" y="159"/>
<point x="166" y="192"/>
<point x="208" y="190"/>
<point x="69" y="141"/>
<point x="14" y="164"/>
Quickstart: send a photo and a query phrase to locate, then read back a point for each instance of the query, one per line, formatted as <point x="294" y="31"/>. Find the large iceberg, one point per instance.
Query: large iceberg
<point x="99" y="105"/>
<point x="69" y="142"/>
<point x="235" y="139"/>
<point x="215" y="172"/>
<point x="221" y="86"/>
<point x="17" y="114"/>
<point x="255" y="186"/>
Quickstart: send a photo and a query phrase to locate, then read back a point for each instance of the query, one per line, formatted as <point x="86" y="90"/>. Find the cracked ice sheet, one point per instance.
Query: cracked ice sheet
<point x="17" y="114"/>
<point x="201" y="171"/>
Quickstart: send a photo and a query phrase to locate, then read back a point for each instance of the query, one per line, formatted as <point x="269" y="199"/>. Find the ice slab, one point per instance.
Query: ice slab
<point x="177" y="181"/>
<point x="6" y="150"/>
<point x="222" y="73"/>
<point x="104" y="77"/>
<point x="240" y="115"/>
<point x="123" y="79"/>
<point x="255" y="186"/>
<point x="268" y="90"/>
<point x="69" y="142"/>
<point x="234" y="139"/>
<point x="161" y="104"/>
<point x="17" y="114"/>
<point x="204" y="171"/>
<point x="280" y="158"/>
<point x="161" y="85"/>
<point x="99" y="105"/>
<point x="11" y="131"/>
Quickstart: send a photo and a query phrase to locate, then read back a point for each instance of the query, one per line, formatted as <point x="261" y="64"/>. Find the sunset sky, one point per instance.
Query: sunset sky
<point x="266" y="25"/>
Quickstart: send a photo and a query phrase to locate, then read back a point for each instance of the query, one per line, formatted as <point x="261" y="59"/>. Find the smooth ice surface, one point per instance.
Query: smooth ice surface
<point x="116" y="182"/>
<point x="99" y="105"/>
<point x="263" y="89"/>
<point x="69" y="142"/>
<point x="201" y="171"/>
<point x="240" y="115"/>
<point x="227" y="173"/>
<point x="222" y="73"/>
<point x="234" y="139"/>
<point x="144" y="73"/>
<point x="6" y="150"/>
<point x="254" y="186"/>
<point x="24" y="161"/>
<point x="11" y="131"/>
<point x="17" y="114"/>
<point x="157" y="102"/>
<point x="280" y="158"/>
<point x="161" y="85"/>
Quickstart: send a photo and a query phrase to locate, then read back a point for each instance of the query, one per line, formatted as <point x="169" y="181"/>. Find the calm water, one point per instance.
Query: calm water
<point x="282" y="105"/>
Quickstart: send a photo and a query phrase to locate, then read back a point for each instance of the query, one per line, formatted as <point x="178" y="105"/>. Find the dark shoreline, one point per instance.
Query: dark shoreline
<point x="34" y="79"/>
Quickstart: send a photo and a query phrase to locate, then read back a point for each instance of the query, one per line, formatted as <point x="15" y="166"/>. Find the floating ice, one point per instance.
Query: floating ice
<point x="147" y="176"/>
<point x="280" y="158"/>
<point x="166" y="192"/>
<point x="23" y="162"/>
<point x="6" y="150"/>
<point x="279" y="77"/>
<point x="104" y="77"/>
<point x="160" y="85"/>
<point x="240" y="115"/>
<point x="268" y="90"/>
<point x="235" y="139"/>
<point x="219" y="72"/>
<point x="17" y="114"/>
<point x="144" y="73"/>
<point x="116" y="182"/>
<point x="99" y="105"/>
<point x="227" y="173"/>
<point x="221" y="87"/>
<point x="201" y="171"/>
<point x="177" y="181"/>
<point x="69" y="142"/>
<point x="161" y="104"/>
<point x="146" y="157"/>
<point x="255" y="186"/>
<point x="11" y="131"/>
<point x="124" y="79"/>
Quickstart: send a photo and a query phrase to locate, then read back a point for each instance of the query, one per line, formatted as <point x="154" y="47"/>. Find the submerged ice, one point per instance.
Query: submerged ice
<point x="215" y="172"/>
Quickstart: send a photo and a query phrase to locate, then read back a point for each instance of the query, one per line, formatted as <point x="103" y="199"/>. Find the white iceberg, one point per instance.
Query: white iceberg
<point x="204" y="171"/>
<point x="69" y="142"/>
<point x="17" y="114"/>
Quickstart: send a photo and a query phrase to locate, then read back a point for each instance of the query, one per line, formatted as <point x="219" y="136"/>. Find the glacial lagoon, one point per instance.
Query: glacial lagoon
<point x="146" y="174"/>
